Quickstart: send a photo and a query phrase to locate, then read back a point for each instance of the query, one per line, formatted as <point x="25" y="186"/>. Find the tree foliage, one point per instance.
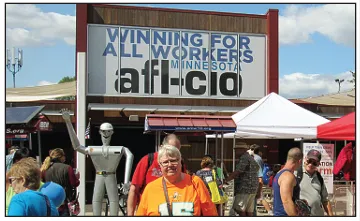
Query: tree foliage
<point x="353" y="80"/>
<point x="65" y="80"/>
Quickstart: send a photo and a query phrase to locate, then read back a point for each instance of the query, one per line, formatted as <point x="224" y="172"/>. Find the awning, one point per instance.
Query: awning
<point x="37" y="93"/>
<point x="22" y="115"/>
<point x="339" y="129"/>
<point x="187" y="123"/>
<point x="24" y="120"/>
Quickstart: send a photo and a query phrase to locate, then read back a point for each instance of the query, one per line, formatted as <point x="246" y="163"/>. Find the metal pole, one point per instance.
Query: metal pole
<point x="222" y="165"/>
<point x="222" y="151"/>
<point x="216" y="148"/>
<point x="206" y="145"/>
<point x="156" y="141"/>
<point x="353" y="207"/>
<point x="334" y="158"/>
<point x="39" y="145"/>
<point x="14" y="76"/>
<point x="234" y="152"/>
<point x="30" y="141"/>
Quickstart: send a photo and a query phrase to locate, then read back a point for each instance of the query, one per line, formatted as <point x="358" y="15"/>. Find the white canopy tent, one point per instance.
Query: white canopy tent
<point x="274" y="117"/>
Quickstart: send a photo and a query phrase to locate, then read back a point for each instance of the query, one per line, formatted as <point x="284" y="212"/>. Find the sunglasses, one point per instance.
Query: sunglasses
<point x="313" y="162"/>
<point x="11" y="179"/>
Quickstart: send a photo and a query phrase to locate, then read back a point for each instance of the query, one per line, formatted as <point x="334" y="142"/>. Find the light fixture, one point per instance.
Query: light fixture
<point x="134" y="118"/>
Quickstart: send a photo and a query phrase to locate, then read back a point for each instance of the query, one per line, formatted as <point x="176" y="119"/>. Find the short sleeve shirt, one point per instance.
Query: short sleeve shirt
<point x="30" y="203"/>
<point x="187" y="198"/>
<point x="259" y="160"/>
<point x="247" y="182"/>
<point x="142" y="175"/>
<point x="313" y="193"/>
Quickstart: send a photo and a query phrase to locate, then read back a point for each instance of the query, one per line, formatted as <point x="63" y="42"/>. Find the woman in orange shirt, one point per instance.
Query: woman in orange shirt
<point x="175" y="193"/>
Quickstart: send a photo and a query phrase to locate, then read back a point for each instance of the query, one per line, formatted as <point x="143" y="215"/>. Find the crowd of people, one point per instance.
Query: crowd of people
<point x="32" y="190"/>
<point x="162" y="186"/>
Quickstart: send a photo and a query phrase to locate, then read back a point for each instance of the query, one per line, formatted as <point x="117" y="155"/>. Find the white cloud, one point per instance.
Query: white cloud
<point x="337" y="22"/>
<point x="300" y="85"/>
<point x="27" y="25"/>
<point x="42" y="83"/>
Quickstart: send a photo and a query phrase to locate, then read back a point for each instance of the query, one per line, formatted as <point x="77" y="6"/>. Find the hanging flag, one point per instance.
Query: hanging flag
<point x="87" y="131"/>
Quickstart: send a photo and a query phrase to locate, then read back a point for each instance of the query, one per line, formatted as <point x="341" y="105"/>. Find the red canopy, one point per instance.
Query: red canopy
<point x="339" y="129"/>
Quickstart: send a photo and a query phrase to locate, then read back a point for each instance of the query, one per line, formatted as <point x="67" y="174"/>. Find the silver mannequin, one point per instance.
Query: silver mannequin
<point x="106" y="159"/>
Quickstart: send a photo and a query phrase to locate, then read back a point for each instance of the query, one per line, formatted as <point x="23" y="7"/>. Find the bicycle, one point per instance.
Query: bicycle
<point x="122" y="201"/>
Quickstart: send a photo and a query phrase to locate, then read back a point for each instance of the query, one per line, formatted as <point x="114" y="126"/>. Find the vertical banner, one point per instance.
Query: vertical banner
<point x="134" y="61"/>
<point x="195" y="64"/>
<point x="165" y="51"/>
<point x="224" y="65"/>
<point x="103" y="59"/>
<point x="326" y="166"/>
<point x="252" y="66"/>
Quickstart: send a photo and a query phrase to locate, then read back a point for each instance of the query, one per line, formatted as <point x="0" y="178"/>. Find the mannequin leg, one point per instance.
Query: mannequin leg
<point x="99" y="190"/>
<point x="112" y="191"/>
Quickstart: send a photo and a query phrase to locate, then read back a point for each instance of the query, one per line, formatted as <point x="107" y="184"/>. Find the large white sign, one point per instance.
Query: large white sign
<point x="133" y="61"/>
<point x="327" y="158"/>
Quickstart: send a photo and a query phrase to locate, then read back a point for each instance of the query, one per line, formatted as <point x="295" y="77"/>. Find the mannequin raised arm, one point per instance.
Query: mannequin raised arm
<point x="128" y="165"/>
<point x="73" y="137"/>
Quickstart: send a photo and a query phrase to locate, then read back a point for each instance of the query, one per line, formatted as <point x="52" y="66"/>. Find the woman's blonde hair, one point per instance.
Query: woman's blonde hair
<point x="169" y="150"/>
<point x="28" y="169"/>
<point x="54" y="154"/>
<point x="206" y="162"/>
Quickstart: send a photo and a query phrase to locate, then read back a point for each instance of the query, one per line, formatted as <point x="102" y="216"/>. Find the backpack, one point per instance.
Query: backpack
<point x="299" y="176"/>
<point x="267" y="173"/>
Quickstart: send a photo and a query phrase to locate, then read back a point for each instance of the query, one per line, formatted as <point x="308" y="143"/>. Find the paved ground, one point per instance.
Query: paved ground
<point x="88" y="210"/>
<point x="341" y="205"/>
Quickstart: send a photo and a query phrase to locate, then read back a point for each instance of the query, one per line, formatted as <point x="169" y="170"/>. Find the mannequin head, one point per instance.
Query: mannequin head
<point x="106" y="130"/>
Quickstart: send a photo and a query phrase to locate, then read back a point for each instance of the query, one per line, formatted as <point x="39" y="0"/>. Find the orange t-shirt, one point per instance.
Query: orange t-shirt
<point x="189" y="197"/>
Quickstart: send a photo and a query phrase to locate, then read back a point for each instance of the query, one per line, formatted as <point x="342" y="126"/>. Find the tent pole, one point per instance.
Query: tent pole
<point x="206" y="145"/>
<point x="39" y="146"/>
<point x="334" y="153"/>
<point x="156" y="141"/>
<point x="159" y="141"/>
<point x="222" y="165"/>
<point x="234" y="142"/>
<point x="216" y="148"/>
<point x="30" y="141"/>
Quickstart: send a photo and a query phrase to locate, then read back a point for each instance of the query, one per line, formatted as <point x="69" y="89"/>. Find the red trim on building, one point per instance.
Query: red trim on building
<point x="156" y="120"/>
<point x="179" y="10"/>
<point x="81" y="27"/>
<point x="272" y="84"/>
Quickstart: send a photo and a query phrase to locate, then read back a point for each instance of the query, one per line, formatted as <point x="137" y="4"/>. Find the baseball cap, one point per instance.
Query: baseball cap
<point x="314" y="154"/>
<point x="54" y="192"/>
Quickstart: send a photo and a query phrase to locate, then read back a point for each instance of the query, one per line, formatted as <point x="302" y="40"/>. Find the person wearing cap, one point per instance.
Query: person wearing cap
<point x="311" y="188"/>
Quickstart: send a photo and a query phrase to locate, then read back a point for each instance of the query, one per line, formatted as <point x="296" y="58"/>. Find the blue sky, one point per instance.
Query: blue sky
<point x="313" y="49"/>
